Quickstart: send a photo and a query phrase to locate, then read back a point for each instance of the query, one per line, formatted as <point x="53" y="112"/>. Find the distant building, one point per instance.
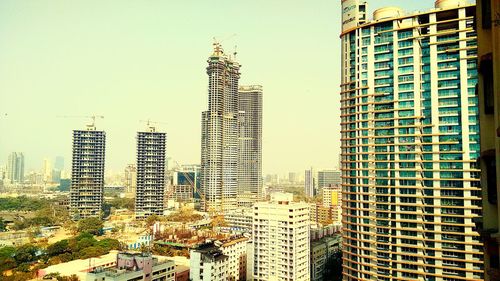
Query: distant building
<point x="293" y="177"/>
<point x="240" y="219"/>
<point x="321" y="251"/>
<point x="219" y="136"/>
<point x="59" y="163"/>
<point x="150" y="190"/>
<point x="87" y="173"/>
<point x="332" y="196"/>
<point x="488" y="35"/>
<point x="328" y="177"/>
<point x="322" y="214"/>
<point x="310" y="183"/>
<point x="135" y="266"/>
<point x="281" y="239"/>
<point x="47" y="170"/>
<point x="250" y="143"/>
<point x="15" y="168"/>
<point x="131" y="178"/>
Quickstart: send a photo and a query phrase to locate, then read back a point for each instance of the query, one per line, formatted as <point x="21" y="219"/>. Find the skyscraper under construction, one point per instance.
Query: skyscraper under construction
<point x="219" y="137"/>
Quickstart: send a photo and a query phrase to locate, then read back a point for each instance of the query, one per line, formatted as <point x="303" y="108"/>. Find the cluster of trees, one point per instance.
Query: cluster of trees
<point x="45" y="212"/>
<point x="25" y="260"/>
<point x="169" y="251"/>
<point x="184" y="215"/>
<point x="22" y="203"/>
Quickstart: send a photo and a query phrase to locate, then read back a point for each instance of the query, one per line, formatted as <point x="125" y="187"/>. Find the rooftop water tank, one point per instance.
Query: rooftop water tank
<point x="447" y="4"/>
<point x="387" y="13"/>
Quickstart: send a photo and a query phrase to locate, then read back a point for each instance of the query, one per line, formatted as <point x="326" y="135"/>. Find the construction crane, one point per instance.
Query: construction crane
<point x="92" y="117"/>
<point x="151" y="127"/>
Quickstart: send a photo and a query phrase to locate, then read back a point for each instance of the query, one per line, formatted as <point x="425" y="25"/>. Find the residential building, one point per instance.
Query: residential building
<point x="15" y="168"/>
<point x="328" y="177"/>
<point x="322" y="250"/>
<point x="131" y="178"/>
<point x="87" y="172"/>
<point x="293" y="177"/>
<point x="59" y="163"/>
<point x="135" y="266"/>
<point x="235" y="248"/>
<point x="410" y="142"/>
<point x="310" y="183"/>
<point x="332" y="196"/>
<point x="250" y="143"/>
<point x="181" y="272"/>
<point x="240" y="219"/>
<point x="47" y="170"/>
<point x="488" y="36"/>
<point x="207" y="263"/>
<point x="323" y="215"/>
<point x="281" y="239"/>
<point x="219" y="136"/>
<point x="150" y="187"/>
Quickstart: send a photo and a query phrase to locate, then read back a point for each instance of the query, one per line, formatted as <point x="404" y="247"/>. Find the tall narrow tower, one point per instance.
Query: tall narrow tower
<point x="15" y="168"/>
<point x="219" y="137"/>
<point x="250" y="144"/>
<point x="410" y="143"/>
<point x="150" y="187"/>
<point x="87" y="173"/>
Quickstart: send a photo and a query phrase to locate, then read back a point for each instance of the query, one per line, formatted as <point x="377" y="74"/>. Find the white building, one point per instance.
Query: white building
<point x="208" y="263"/>
<point x="220" y="260"/>
<point x="239" y="219"/>
<point x="281" y="239"/>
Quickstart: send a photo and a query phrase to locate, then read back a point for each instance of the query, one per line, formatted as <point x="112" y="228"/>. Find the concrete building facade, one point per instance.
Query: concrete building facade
<point x="281" y="239"/>
<point x="219" y="136"/>
<point x="250" y="143"/>
<point x="150" y="187"/>
<point x="409" y="142"/>
<point x="87" y="173"/>
<point x="15" y="168"/>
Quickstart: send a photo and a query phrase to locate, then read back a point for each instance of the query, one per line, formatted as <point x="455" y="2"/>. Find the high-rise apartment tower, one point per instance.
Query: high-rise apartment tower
<point x="219" y="136"/>
<point x="15" y="168"/>
<point x="281" y="239"/>
<point x="250" y="143"/>
<point x="410" y="141"/>
<point x="87" y="173"/>
<point x="150" y="187"/>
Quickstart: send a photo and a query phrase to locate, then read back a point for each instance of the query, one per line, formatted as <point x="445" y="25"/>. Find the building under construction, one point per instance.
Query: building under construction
<point x="219" y="138"/>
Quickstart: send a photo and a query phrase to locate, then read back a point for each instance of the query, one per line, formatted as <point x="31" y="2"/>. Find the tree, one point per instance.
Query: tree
<point x="26" y="253"/>
<point x="90" y="225"/>
<point x="3" y="226"/>
<point x="58" y="248"/>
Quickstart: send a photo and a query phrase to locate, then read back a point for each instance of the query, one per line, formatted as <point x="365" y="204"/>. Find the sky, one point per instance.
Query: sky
<point x="139" y="60"/>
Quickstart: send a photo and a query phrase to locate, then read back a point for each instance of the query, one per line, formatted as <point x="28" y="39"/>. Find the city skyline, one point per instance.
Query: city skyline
<point x="122" y="68"/>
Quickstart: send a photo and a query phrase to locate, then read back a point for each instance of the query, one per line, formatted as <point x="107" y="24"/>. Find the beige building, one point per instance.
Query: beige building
<point x="281" y="239"/>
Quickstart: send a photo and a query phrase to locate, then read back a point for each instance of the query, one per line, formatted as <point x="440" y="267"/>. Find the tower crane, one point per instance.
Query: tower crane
<point x="149" y="124"/>
<point x="92" y="117"/>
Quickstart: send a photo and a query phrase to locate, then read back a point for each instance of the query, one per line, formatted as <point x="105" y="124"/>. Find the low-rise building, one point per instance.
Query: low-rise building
<point x="321" y="251"/>
<point x="181" y="272"/>
<point x="207" y="263"/>
<point x="135" y="266"/>
<point x="207" y="257"/>
<point x="239" y="219"/>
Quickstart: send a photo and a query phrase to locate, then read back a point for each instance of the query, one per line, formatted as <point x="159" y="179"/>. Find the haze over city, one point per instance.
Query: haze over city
<point x="131" y="61"/>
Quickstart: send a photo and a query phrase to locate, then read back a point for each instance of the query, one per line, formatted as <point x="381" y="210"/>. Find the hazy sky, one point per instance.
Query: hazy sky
<point x="134" y="60"/>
